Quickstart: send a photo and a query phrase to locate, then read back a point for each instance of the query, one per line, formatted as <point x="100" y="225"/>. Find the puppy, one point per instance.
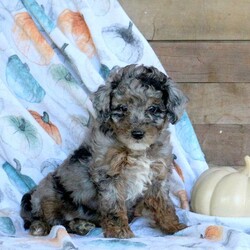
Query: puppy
<point x="125" y="162"/>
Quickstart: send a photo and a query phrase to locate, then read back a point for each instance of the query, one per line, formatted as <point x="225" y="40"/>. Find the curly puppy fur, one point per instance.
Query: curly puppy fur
<point x="124" y="163"/>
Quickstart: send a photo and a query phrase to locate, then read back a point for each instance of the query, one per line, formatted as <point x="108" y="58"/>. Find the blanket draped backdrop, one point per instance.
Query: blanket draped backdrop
<point x="53" y="54"/>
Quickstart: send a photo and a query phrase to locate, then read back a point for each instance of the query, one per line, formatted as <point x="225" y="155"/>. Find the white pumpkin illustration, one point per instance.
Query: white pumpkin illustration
<point x="21" y="135"/>
<point x="78" y="127"/>
<point x="123" y="42"/>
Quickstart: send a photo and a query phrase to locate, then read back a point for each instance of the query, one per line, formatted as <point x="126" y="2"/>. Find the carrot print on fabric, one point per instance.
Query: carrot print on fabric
<point x="73" y="25"/>
<point x="30" y="41"/>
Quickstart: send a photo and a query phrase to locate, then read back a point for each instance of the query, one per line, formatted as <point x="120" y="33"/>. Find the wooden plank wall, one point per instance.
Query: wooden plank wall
<point x="205" y="46"/>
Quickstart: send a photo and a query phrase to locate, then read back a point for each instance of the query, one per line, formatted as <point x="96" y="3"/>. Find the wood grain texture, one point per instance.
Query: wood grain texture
<point x="205" y="61"/>
<point x="205" y="46"/>
<point x="218" y="103"/>
<point x="190" y="19"/>
<point x="216" y="78"/>
<point x="224" y="145"/>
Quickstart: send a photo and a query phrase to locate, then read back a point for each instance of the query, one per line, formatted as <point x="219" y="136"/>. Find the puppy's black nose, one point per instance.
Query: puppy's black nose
<point x="137" y="134"/>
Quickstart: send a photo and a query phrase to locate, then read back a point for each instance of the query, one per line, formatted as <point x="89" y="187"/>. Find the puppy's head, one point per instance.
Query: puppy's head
<point x="136" y="103"/>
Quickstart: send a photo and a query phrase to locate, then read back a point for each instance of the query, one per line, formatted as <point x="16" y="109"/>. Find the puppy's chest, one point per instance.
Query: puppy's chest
<point x="132" y="172"/>
<point x="137" y="175"/>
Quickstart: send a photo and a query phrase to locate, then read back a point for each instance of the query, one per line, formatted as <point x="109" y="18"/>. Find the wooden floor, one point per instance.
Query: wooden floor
<point x="205" y="46"/>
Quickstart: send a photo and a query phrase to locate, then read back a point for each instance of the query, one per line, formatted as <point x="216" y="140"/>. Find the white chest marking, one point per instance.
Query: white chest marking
<point x="138" y="177"/>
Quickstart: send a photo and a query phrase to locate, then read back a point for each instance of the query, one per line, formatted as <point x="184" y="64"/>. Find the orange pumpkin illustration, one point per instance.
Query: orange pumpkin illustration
<point x="213" y="233"/>
<point x="30" y="41"/>
<point x="49" y="127"/>
<point x="73" y="25"/>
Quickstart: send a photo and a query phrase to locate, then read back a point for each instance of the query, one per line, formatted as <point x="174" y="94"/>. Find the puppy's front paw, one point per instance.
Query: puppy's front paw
<point x="121" y="233"/>
<point x="116" y="226"/>
<point x="173" y="228"/>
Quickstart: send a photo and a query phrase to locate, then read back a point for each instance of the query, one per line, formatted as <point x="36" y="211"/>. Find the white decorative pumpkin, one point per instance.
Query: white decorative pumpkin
<point x="223" y="191"/>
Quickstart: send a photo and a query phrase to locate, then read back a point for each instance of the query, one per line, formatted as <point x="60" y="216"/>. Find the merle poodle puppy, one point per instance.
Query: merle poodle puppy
<point x="124" y="163"/>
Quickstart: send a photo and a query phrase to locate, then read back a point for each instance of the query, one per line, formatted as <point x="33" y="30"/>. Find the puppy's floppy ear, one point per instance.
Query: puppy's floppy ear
<point x="101" y="102"/>
<point x="102" y="97"/>
<point x="174" y="99"/>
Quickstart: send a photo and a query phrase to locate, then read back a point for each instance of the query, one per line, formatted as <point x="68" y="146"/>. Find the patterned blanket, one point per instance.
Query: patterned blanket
<point x="53" y="54"/>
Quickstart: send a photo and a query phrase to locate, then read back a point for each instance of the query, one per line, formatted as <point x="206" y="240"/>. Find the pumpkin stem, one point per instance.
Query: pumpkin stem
<point x="18" y="165"/>
<point x="22" y="125"/>
<point x="45" y="117"/>
<point x="68" y="77"/>
<point x="246" y="170"/>
<point x="127" y="34"/>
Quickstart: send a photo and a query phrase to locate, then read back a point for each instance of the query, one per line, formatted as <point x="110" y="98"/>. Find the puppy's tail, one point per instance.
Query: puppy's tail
<point x="26" y="210"/>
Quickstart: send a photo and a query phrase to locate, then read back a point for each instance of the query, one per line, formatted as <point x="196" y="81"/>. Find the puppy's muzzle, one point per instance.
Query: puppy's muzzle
<point x="137" y="134"/>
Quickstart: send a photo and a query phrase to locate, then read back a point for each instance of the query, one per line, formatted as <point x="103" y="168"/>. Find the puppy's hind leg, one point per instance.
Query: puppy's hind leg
<point x="36" y="226"/>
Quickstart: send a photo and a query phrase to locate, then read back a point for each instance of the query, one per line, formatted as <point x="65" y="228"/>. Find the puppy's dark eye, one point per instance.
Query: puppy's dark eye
<point x="154" y="109"/>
